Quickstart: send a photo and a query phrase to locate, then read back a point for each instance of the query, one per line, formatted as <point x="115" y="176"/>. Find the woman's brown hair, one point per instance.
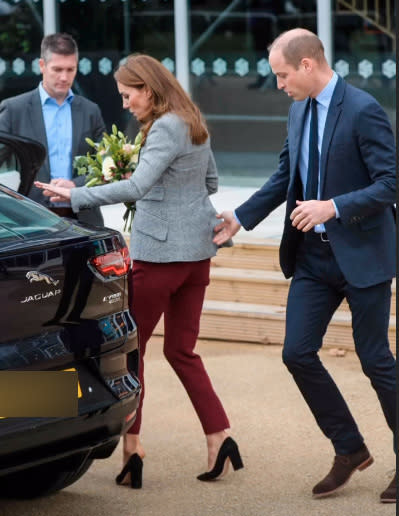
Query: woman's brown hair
<point x="141" y="70"/>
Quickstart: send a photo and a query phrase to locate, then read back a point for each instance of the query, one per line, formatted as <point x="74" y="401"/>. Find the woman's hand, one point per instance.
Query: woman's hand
<point x="56" y="193"/>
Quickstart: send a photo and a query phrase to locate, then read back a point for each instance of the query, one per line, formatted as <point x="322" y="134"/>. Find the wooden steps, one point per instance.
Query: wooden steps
<point x="246" y="298"/>
<point x="265" y="324"/>
<point x="250" y="254"/>
<point x="252" y="286"/>
<point x="257" y="286"/>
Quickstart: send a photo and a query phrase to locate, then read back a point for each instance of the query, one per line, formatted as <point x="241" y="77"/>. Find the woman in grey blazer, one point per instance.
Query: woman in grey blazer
<point x="171" y="244"/>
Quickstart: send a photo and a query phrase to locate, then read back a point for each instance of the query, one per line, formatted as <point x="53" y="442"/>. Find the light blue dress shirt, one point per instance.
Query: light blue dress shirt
<point x="58" y="124"/>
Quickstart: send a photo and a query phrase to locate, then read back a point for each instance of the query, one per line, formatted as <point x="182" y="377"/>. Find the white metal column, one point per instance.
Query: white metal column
<point x="324" y="27"/>
<point x="49" y="17"/>
<point x="182" y="43"/>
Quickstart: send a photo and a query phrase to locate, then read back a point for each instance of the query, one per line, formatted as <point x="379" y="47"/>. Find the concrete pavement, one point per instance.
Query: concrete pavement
<point x="284" y="452"/>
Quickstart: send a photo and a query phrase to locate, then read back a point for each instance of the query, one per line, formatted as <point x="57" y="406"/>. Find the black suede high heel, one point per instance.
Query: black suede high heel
<point x="134" y="466"/>
<point x="228" y="450"/>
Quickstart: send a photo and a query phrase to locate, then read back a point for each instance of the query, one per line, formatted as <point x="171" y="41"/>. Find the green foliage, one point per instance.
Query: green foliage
<point x="114" y="159"/>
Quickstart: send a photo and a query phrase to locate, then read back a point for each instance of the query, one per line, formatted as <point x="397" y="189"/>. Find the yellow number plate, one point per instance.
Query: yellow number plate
<point x="79" y="388"/>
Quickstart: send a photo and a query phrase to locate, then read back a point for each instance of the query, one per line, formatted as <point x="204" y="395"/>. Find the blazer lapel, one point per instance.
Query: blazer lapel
<point x="35" y="114"/>
<point x="334" y="112"/>
<point x="77" y="124"/>
<point x="295" y="137"/>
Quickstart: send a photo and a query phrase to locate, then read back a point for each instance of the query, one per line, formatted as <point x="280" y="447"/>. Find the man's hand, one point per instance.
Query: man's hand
<point x="308" y="214"/>
<point x="56" y="193"/>
<point x="227" y="228"/>
<point x="65" y="183"/>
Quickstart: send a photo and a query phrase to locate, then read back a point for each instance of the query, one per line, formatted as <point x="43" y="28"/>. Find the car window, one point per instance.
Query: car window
<point x="10" y="168"/>
<point x="22" y="218"/>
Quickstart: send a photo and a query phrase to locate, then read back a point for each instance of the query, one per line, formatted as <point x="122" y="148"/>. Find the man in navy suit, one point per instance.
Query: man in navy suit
<point x="338" y="241"/>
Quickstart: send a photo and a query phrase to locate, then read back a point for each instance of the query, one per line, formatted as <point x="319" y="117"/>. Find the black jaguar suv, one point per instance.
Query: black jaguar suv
<point x="64" y="306"/>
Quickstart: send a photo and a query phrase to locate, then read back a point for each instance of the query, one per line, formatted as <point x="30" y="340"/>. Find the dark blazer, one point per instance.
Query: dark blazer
<point x="357" y="170"/>
<point x="22" y="115"/>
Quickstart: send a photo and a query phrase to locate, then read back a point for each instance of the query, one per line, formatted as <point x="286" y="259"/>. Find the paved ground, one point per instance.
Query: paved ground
<point x="283" y="451"/>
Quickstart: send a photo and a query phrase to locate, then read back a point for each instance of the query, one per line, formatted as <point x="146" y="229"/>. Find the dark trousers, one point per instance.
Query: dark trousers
<point x="316" y="291"/>
<point x="177" y="291"/>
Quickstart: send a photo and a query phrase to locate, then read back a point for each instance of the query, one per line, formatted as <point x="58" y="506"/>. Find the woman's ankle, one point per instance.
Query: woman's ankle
<point x="214" y="442"/>
<point x="132" y="445"/>
<point x="216" y="439"/>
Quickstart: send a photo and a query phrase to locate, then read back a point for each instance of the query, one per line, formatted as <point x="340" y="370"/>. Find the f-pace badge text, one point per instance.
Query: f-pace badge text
<point x="112" y="298"/>
<point x="42" y="295"/>
<point x="40" y="276"/>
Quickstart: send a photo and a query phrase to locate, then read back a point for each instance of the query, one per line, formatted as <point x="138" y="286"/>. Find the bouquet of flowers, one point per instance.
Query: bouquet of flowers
<point x="114" y="158"/>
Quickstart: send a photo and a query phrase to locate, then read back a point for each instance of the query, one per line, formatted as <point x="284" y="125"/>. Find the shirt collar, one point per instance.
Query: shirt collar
<point x="44" y="96"/>
<point x="324" y="97"/>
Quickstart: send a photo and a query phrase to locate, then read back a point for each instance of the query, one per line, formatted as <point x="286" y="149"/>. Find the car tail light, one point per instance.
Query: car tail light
<point x="112" y="264"/>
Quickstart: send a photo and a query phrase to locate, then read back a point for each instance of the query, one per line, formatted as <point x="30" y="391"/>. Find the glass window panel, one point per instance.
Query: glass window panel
<point x="22" y="218"/>
<point x="230" y="77"/>
<point x="234" y="87"/>
<point x="21" y="31"/>
<point x="10" y="168"/>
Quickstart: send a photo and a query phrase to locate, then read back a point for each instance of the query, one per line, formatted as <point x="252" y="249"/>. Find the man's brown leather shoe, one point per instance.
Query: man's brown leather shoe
<point x="389" y="495"/>
<point x="343" y="468"/>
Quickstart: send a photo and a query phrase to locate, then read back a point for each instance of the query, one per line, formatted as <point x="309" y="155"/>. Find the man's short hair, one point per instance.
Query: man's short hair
<point x="58" y="43"/>
<point x="297" y="44"/>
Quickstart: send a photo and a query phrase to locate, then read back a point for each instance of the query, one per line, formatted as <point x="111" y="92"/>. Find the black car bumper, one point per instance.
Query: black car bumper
<point x="37" y="441"/>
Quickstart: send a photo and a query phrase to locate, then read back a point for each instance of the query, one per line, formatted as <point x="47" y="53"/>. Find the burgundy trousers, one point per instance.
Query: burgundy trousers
<point x="177" y="291"/>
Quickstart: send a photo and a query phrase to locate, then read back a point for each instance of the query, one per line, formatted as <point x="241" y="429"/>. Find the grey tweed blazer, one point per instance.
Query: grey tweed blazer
<point x="174" y="217"/>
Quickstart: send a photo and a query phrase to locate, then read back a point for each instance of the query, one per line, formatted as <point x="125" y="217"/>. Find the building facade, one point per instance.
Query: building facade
<point x="225" y="67"/>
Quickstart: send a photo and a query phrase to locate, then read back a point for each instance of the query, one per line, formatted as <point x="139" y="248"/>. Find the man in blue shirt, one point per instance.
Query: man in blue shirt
<point x="53" y="115"/>
<point x="337" y="175"/>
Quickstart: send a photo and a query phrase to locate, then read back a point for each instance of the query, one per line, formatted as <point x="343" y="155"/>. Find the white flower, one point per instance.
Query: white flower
<point x="134" y="159"/>
<point x="108" y="168"/>
<point x="127" y="147"/>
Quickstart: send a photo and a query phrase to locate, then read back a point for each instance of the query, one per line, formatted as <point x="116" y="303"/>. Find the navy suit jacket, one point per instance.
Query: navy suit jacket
<point x="22" y="115"/>
<point x="357" y="170"/>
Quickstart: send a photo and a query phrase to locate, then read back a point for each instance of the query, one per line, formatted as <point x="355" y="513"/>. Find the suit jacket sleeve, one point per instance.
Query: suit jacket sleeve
<point x="5" y="122"/>
<point x="377" y="148"/>
<point x="98" y="125"/>
<point x="164" y="141"/>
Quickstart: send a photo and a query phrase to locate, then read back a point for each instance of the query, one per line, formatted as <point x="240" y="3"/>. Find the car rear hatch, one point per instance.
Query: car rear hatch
<point x="55" y="302"/>
<point x="63" y="292"/>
